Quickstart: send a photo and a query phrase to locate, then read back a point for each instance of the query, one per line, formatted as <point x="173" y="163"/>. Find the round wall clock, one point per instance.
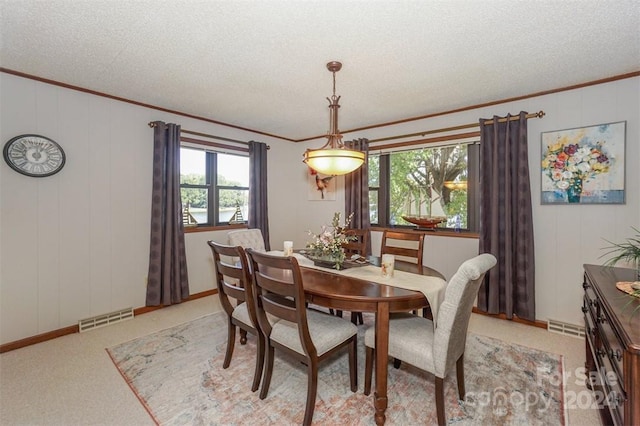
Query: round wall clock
<point x="34" y="155"/>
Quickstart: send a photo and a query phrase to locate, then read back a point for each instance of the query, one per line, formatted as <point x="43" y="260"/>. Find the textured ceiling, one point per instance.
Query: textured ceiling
<point x="261" y="64"/>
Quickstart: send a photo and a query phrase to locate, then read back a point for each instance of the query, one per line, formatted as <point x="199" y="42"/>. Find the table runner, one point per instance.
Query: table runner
<point x="432" y="287"/>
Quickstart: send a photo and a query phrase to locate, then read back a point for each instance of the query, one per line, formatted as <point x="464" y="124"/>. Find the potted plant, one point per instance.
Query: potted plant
<point x="628" y="252"/>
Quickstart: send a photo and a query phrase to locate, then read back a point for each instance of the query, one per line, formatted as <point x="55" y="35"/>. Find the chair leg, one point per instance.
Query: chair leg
<point x="442" y="421"/>
<point x="268" y="365"/>
<point x="257" y="375"/>
<point x="312" y="388"/>
<point x="243" y="336"/>
<point x="231" y="341"/>
<point x="460" y="376"/>
<point x="353" y="364"/>
<point x="368" y="369"/>
<point x="356" y="318"/>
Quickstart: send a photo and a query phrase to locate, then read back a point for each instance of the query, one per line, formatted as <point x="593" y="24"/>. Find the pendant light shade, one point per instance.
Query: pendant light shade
<point x="333" y="158"/>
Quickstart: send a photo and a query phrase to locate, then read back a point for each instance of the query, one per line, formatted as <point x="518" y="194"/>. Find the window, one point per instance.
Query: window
<point x="214" y="187"/>
<point x="439" y="181"/>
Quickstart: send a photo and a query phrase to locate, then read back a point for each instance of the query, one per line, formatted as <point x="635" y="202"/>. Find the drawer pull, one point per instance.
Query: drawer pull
<point x="617" y="354"/>
<point x="585" y="309"/>
<point x="585" y="285"/>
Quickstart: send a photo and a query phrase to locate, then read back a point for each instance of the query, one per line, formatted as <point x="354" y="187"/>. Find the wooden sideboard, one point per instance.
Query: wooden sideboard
<point x="612" y="344"/>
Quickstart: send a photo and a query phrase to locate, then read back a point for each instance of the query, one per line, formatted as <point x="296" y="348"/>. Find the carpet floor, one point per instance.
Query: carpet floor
<point x="177" y="375"/>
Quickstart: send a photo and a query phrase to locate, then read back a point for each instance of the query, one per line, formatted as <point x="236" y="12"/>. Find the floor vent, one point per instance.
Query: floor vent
<point x="105" y="319"/>
<point x="560" y="327"/>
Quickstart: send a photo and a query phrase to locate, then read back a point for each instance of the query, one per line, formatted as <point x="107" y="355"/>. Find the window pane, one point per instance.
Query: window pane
<point x="192" y="166"/>
<point x="417" y="184"/>
<point x="194" y="201"/>
<point x="373" y="206"/>
<point x="374" y="170"/>
<point x="233" y="170"/>
<point x="230" y="200"/>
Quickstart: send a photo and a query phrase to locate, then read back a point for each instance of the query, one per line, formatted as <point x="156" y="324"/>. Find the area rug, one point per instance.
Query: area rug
<point x="177" y="375"/>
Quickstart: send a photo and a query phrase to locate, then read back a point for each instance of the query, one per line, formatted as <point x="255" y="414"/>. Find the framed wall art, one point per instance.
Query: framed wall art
<point x="321" y="187"/>
<point x="584" y="165"/>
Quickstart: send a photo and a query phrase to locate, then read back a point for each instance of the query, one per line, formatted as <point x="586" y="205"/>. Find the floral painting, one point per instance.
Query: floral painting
<point x="584" y="165"/>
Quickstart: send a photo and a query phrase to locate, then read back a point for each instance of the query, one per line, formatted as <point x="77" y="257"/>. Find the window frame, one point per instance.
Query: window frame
<point x="473" y="192"/>
<point x="213" y="188"/>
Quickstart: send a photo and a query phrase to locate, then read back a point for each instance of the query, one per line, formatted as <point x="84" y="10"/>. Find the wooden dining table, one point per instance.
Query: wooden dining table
<point x="332" y="290"/>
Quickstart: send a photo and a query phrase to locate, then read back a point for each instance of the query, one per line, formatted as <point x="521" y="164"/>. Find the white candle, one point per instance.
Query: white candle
<point x="388" y="264"/>
<point x="288" y="248"/>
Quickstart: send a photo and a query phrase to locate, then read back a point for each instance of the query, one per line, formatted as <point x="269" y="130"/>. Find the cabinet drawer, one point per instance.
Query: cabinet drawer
<point x="611" y="385"/>
<point x="612" y="346"/>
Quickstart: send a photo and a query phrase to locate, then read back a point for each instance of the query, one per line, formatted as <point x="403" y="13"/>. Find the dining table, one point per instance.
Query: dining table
<point x="363" y="290"/>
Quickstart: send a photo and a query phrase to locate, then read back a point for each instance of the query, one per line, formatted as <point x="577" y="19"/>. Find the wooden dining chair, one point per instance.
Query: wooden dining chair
<point x="414" y="340"/>
<point x="408" y="245"/>
<point x="357" y="246"/>
<point x="307" y="335"/>
<point x="233" y="280"/>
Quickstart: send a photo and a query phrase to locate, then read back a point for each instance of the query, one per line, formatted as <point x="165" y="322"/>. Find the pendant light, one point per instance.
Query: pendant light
<point x="333" y="158"/>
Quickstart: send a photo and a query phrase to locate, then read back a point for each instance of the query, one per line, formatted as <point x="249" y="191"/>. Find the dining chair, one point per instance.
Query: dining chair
<point x="307" y="335"/>
<point x="233" y="280"/>
<point x="247" y="238"/>
<point x="359" y="245"/>
<point x="407" y="245"/>
<point x="414" y="340"/>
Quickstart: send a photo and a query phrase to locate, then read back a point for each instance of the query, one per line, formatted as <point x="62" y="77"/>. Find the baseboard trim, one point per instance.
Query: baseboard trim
<point x="536" y="323"/>
<point x="50" y="335"/>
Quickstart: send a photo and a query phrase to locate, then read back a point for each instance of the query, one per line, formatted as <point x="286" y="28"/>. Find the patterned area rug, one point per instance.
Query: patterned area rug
<point x="177" y="374"/>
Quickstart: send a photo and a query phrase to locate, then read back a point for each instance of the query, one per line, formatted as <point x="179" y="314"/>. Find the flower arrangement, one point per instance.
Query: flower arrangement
<point x="327" y="245"/>
<point x="568" y="165"/>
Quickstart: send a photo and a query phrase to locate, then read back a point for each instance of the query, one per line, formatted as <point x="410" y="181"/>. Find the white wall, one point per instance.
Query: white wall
<point x="75" y="244"/>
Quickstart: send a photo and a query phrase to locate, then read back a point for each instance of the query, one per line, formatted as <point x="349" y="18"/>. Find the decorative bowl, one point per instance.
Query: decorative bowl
<point x="428" y="222"/>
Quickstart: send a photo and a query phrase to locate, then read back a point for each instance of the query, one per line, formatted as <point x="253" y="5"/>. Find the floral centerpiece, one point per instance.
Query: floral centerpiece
<point x="327" y="246"/>
<point x="570" y="165"/>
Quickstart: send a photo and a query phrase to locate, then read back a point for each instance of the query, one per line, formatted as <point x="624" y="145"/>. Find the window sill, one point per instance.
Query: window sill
<point x="194" y="229"/>
<point x="437" y="232"/>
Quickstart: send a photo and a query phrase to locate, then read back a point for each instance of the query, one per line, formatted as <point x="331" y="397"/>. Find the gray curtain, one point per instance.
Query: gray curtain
<point x="258" y="210"/>
<point x="506" y="226"/>
<point x="356" y="190"/>
<point x="168" y="282"/>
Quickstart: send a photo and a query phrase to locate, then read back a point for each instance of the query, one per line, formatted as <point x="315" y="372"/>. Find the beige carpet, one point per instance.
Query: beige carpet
<point x="177" y="374"/>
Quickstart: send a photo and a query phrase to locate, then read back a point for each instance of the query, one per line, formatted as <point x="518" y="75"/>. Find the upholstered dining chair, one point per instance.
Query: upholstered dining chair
<point x="414" y="340"/>
<point x="307" y="335"/>
<point x="234" y="282"/>
<point x="247" y="238"/>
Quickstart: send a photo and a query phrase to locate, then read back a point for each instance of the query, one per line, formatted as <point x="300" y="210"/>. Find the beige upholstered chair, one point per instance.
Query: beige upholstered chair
<point x="234" y="282"/>
<point x="413" y="339"/>
<point x="307" y="335"/>
<point x="247" y="238"/>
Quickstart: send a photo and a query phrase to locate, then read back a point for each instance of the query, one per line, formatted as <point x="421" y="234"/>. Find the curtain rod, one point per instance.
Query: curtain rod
<point x="153" y="124"/>
<point x="538" y="114"/>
